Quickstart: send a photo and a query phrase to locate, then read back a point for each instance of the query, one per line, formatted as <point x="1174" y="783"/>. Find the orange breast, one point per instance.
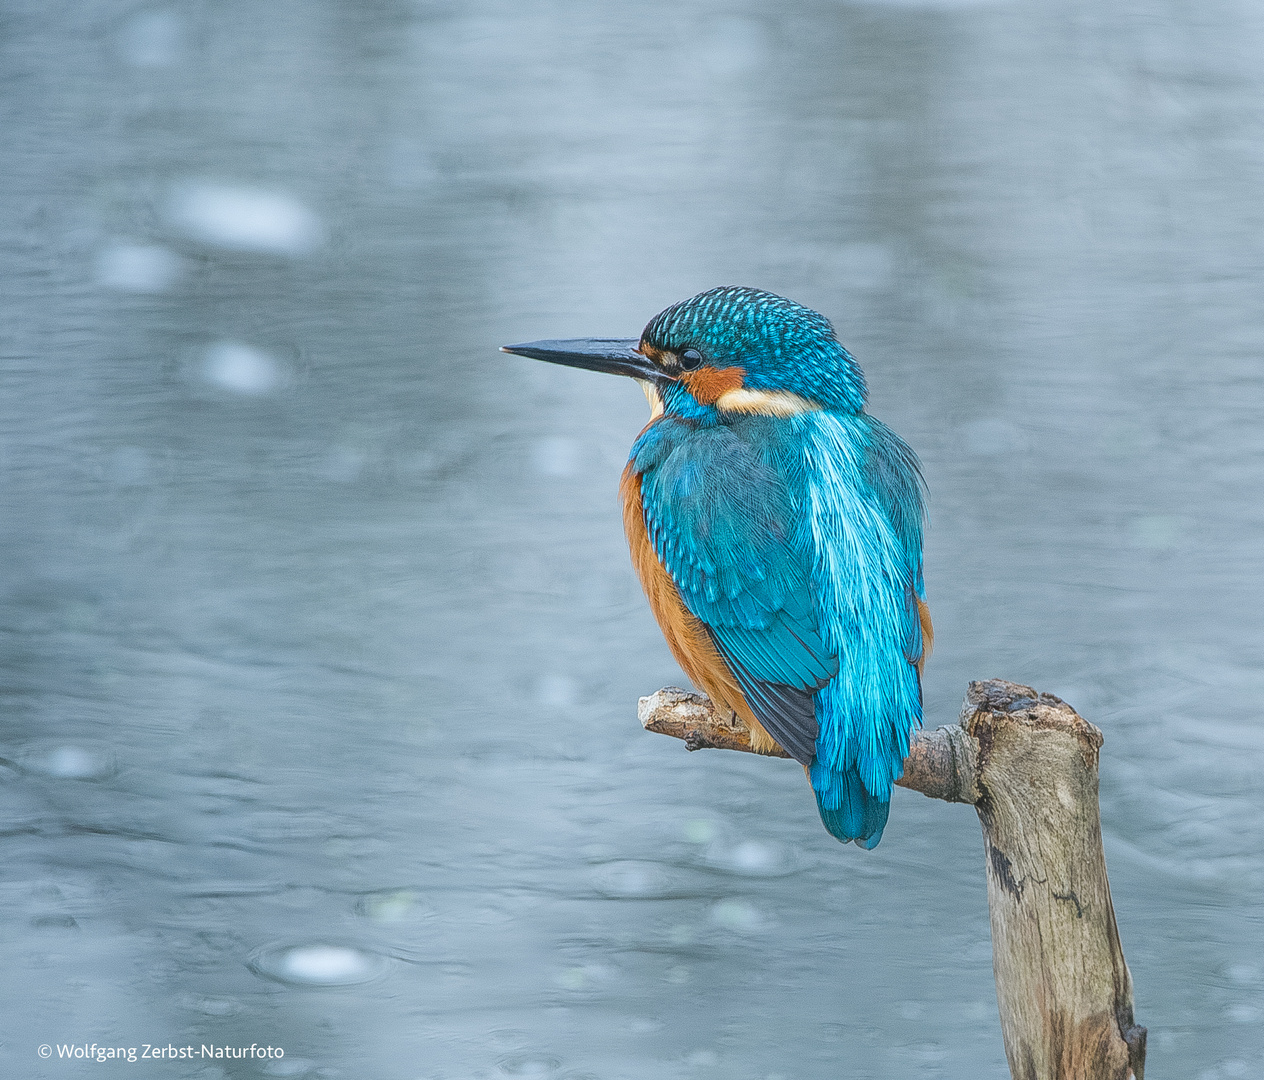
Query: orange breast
<point x="928" y="634"/>
<point x="686" y="635"/>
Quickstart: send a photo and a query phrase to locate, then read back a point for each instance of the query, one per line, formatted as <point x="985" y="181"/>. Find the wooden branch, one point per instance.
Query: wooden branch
<point x="941" y="763"/>
<point x="1028" y="763"/>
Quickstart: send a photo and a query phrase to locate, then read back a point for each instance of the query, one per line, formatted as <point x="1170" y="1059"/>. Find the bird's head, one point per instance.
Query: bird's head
<point x="732" y="349"/>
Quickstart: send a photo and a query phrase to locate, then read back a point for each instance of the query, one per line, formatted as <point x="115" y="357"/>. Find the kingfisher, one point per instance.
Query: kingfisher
<point x="776" y="528"/>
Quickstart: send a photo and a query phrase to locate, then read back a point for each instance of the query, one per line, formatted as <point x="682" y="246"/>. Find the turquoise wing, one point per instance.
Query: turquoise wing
<point x="865" y="492"/>
<point x="720" y="519"/>
<point x="892" y="472"/>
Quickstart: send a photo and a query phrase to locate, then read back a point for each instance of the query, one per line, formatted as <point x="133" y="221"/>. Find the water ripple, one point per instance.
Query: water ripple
<point x="317" y="964"/>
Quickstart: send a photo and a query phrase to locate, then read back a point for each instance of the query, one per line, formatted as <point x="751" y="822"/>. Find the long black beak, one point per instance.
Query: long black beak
<point x="617" y="356"/>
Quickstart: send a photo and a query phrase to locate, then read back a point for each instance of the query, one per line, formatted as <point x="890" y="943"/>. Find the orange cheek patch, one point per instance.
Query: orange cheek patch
<point x="645" y="349"/>
<point x="709" y="384"/>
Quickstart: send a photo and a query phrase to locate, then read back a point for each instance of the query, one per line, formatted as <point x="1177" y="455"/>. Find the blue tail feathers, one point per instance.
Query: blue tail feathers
<point x="847" y="809"/>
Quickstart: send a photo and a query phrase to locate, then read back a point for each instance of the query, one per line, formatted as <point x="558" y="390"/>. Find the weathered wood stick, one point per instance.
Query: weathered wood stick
<point x="1028" y="763"/>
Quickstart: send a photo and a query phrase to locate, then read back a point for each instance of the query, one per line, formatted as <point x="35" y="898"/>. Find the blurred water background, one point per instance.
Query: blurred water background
<point x="321" y="648"/>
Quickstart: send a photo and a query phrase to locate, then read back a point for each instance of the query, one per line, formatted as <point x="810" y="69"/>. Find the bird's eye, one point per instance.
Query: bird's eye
<point x="690" y="359"/>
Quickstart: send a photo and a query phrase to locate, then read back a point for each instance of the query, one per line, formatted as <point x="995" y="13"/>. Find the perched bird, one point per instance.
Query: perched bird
<point x="776" y="528"/>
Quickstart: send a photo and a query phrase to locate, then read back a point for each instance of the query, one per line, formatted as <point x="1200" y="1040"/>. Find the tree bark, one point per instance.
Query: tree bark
<point x="1027" y="762"/>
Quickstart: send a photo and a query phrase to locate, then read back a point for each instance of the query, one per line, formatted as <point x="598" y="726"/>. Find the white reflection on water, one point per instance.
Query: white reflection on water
<point x="733" y="46"/>
<point x="633" y="880"/>
<point x="245" y="219"/>
<point x="318" y="965"/>
<point x="557" y="456"/>
<point x="69" y="762"/>
<point x="138" y="268"/>
<point x="754" y="858"/>
<point x="556" y="691"/>
<point x="738" y="915"/>
<point x="241" y="368"/>
<point x="152" y="39"/>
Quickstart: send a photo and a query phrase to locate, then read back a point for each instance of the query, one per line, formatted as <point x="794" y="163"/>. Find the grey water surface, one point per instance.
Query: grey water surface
<point x="320" y="646"/>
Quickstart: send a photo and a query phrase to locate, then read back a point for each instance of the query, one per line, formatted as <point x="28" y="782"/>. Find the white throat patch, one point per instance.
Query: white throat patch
<point x="765" y="402"/>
